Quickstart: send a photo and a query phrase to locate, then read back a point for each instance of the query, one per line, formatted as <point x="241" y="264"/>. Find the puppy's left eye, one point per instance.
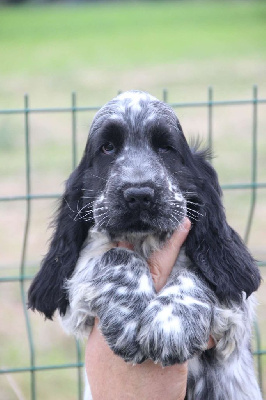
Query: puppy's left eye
<point x="108" y="148"/>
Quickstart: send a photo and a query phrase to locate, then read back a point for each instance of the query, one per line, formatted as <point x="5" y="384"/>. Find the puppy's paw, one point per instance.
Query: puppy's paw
<point x="172" y="332"/>
<point x="121" y="290"/>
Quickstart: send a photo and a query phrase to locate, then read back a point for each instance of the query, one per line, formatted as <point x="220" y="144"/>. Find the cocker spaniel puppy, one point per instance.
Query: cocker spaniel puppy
<point x="137" y="180"/>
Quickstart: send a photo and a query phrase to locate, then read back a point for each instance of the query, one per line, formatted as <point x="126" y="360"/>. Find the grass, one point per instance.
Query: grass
<point x="52" y="39"/>
<point x="97" y="49"/>
<point x="41" y="40"/>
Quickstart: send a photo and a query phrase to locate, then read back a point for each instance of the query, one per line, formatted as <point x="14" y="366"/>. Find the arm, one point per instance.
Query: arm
<point x="113" y="379"/>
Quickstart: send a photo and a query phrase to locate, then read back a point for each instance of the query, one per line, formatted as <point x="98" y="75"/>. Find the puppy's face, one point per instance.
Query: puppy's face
<point x="136" y="178"/>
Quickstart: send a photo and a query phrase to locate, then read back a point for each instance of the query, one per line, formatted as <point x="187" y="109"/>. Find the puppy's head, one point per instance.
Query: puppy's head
<point x="138" y="176"/>
<point x="136" y="167"/>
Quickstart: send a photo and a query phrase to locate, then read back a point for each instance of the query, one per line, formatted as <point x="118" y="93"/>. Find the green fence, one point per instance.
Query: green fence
<point x="252" y="186"/>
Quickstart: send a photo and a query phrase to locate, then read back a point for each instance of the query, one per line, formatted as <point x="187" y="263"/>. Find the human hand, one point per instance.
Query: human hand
<point x="111" y="378"/>
<point x="162" y="261"/>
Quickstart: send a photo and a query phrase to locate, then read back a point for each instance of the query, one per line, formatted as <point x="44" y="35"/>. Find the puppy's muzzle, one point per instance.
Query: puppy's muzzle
<point x="139" y="198"/>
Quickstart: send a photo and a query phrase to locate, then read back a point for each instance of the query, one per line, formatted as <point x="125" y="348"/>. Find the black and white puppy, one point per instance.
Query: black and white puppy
<point x="137" y="180"/>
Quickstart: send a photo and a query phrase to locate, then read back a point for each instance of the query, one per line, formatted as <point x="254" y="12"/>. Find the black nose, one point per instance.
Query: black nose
<point x="139" y="197"/>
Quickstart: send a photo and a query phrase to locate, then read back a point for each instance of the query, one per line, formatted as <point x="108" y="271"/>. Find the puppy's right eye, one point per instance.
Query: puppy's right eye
<point x="108" y="148"/>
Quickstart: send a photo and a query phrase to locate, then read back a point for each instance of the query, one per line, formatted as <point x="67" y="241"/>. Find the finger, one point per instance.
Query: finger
<point x="179" y="236"/>
<point x="167" y="256"/>
<point x="162" y="261"/>
<point x="211" y="343"/>
<point x="126" y="245"/>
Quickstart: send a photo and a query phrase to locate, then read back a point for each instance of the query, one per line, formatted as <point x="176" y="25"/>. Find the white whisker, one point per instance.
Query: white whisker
<point x="101" y="215"/>
<point x="179" y="213"/>
<point x="88" y="212"/>
<point x="103" y="220"/>
<point x="99" y="177"/>
<point x="69" y="206"/>
<point x="194" y="211"/>
<point x="192" y="217"/>
<point x="80" y="211"/>
<point x="88" y="219"/>
<point x="101" y="208"/>
<point x="191" y="202"/>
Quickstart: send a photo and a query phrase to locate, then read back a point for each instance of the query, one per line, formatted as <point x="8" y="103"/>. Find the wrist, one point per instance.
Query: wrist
<point x="110" y="377"/>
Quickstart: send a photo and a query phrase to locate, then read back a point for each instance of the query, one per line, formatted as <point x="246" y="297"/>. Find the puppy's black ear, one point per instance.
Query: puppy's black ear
<point x="46" y="293"/>
<point x="213" y="246"/>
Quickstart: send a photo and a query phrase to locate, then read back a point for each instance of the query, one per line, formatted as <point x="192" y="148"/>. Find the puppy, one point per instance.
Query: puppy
<point x="137" y="180"/>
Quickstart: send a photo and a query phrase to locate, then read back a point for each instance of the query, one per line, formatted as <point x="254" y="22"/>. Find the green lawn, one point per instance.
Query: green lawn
<point x="38" y="40"/>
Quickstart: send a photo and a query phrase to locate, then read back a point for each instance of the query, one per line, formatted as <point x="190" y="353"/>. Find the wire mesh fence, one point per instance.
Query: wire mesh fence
<point x="253" y="185"/>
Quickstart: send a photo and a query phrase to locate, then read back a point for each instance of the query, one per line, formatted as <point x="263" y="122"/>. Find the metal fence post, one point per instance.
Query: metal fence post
<point x="253" y="163"/>
<point x="24" y="248"/>
<point x="210" y="107"/>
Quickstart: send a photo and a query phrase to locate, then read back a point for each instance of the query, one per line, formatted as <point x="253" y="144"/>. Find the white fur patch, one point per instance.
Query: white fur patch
<point x="179" y="197"/>
<point x="190" y="301"/>
<point x="168" y="321"/>
<point x="144" y="284"/>
<point x="121" y="290"/>
<point x="187" y="283"/>
<point x="170" y="185"/>
<point x="171" y="291"/>
<point x="136" y="96"/>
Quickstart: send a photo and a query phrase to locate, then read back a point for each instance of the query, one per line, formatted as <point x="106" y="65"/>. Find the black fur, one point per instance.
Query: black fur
<point x="46" y="293"/>
<point x="214" y="247"/>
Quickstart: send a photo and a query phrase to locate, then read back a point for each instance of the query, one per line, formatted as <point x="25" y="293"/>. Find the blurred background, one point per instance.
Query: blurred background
<point x="198" y="51"/>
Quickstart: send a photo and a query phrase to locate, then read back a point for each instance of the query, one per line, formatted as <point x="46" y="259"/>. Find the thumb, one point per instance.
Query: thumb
<point x="168" y="254"/>
<point x="179" y="236"/>
<point x="162" y="261"/>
